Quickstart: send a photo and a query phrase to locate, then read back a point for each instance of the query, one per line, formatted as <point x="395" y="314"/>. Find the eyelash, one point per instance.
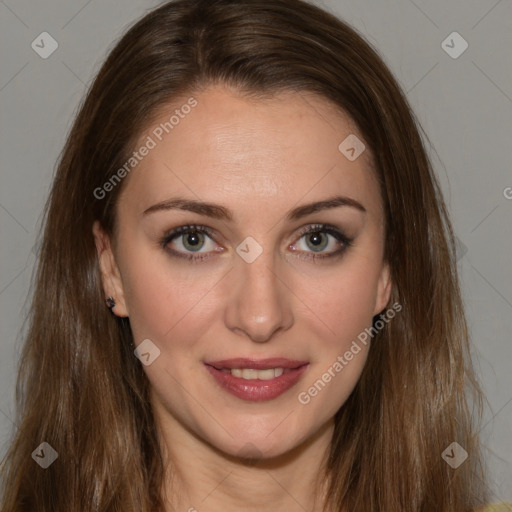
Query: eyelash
<point x="314" y="228"/>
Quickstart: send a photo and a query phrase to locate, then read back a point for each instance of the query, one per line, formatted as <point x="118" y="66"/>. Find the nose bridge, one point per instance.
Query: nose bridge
<point x="259" y="304"/>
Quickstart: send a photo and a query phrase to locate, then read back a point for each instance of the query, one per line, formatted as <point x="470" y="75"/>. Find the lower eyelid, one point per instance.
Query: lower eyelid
<point x="310" y="255"/>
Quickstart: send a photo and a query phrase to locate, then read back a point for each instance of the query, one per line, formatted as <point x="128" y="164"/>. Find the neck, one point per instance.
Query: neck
<point x="201" y="478"/>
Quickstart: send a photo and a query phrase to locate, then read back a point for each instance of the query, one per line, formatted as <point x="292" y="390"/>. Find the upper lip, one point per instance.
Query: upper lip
<point x="257" y="364"/>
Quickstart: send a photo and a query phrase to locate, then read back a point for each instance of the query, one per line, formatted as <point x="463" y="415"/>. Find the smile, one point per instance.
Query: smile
<point x="254" y="380"/>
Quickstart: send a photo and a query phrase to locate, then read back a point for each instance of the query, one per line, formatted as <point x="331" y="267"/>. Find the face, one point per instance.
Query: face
<point x="249" y="252"/>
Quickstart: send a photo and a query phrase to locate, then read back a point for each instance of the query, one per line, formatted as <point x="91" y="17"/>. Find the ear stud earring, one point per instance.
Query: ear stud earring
<point x="110" y="302"/>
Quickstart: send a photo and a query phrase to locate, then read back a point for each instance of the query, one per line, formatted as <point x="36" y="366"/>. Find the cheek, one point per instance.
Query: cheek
<point x="343" y="308"/>
<point x="166" y="297"/>
<point x="342" y="301"/>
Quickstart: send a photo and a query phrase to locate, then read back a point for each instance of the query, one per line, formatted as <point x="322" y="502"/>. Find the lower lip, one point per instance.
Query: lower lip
<point x="255" y="390"/>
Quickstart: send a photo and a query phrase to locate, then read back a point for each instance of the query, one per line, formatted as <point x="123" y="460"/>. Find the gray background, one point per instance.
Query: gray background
<point x="464" y="104"/>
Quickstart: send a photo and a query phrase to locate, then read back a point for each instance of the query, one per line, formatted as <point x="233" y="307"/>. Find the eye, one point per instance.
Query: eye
<point x="196" y="243"/>
<point x="191" y="242"/>
<point x="321" y="241"/>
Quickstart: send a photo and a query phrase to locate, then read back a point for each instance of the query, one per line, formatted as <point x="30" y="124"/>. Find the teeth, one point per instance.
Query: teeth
<point x="249" y="373"/>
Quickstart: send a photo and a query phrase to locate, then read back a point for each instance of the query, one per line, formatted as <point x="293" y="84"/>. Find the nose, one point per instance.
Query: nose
<point x="259" y="303"/>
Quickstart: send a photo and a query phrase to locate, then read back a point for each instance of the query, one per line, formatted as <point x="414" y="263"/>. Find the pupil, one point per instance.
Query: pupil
<point x="317" y="239"/>
<point x="193" y="240"/>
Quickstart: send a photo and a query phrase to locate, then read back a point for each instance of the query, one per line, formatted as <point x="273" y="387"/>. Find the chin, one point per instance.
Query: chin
<point x="258" y="440"/>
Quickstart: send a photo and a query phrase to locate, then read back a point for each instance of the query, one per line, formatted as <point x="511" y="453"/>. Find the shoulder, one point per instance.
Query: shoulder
<point x="499" y="507"/>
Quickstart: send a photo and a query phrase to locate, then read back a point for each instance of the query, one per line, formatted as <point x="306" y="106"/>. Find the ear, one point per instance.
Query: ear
<point x="383" y="289"/>
<point x="110" y="275"/>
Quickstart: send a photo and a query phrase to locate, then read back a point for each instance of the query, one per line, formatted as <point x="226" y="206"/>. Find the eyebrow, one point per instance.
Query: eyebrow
<point x="217" y="211"/>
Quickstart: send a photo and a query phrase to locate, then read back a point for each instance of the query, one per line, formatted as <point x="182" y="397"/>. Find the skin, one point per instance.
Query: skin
<point x="259" y="158"/>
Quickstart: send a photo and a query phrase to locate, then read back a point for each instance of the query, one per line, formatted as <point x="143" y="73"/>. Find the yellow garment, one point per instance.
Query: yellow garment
<point x="500" y="507"/>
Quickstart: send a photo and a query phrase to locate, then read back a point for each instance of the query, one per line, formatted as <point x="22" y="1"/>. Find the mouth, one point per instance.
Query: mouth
<point x="257" y="380"/>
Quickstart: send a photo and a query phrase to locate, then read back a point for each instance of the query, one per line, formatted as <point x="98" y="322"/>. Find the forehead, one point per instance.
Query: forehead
<point x="250" y="152"/>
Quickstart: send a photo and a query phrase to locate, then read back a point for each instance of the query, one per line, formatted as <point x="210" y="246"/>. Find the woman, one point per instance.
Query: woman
<point x="246" y="296"/>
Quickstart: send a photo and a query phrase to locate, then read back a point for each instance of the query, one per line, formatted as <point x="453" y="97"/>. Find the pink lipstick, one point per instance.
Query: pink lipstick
<point x="257" y="380"/>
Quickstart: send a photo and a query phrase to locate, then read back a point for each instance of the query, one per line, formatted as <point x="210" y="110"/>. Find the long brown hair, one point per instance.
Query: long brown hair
<point x="81" y="390"/>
